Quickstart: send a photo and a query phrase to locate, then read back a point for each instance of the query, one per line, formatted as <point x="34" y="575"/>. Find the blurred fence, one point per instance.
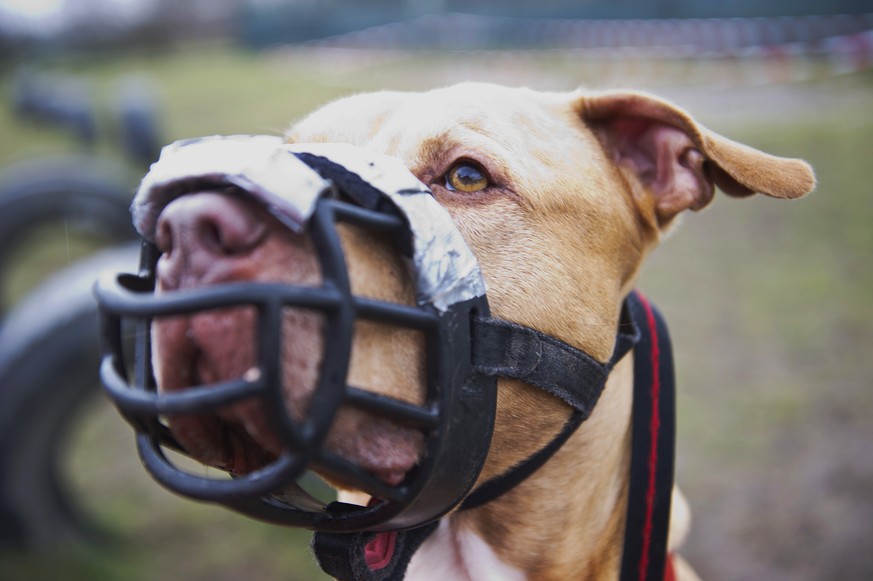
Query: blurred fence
<point x="747" y="50"/>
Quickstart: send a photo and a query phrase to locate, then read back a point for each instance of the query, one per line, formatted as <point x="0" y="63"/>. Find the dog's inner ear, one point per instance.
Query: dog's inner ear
<point x="665" y="161"/>
<point x="678" y="162"/>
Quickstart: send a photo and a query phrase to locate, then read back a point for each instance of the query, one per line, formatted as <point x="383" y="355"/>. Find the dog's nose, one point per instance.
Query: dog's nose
<point x="201" y="234"/>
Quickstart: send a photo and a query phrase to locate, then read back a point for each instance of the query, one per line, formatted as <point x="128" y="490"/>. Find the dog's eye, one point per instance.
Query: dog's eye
<point x="466" y="176"/>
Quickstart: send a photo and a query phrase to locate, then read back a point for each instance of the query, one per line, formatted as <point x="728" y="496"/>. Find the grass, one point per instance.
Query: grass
<point x="769" y="304"/>
<point x="202" y="91"/>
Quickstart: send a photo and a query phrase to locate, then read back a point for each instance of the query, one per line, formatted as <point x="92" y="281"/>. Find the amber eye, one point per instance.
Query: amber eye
<point x="466" y="176"/>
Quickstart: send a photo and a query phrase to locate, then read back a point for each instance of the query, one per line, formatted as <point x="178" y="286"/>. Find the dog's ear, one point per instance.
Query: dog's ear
<point x="678" y="160"/>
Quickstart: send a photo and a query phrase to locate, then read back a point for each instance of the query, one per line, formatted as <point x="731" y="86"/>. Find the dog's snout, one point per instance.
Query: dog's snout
<point x="199" y="233"/>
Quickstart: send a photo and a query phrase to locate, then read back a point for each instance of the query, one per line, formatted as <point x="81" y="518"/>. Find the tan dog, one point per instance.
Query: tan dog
<point x="561" y="197"/>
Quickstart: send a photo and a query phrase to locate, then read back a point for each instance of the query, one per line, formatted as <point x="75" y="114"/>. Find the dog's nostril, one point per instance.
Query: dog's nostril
<point x="212" y="238"/>
<point x="206" y="235"/>
<point x="211" y="222"/>
<point x="232" y="235"/>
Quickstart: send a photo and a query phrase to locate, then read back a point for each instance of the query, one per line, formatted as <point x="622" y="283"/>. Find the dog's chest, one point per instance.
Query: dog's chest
<point x="459" y="555"/>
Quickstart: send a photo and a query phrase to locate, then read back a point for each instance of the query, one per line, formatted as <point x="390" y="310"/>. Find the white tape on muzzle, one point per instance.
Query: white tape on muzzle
<point x="265" y="168"/>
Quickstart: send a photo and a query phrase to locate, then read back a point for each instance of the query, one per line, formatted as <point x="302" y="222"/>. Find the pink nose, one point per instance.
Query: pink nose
<point x="202" y="235"/>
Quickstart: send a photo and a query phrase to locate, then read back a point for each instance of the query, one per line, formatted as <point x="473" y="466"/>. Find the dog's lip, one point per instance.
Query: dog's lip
<point x="238" y="437"/>
<point x="220" y="443"/>
<point x="246" y="443"/>
<point x="390" y="471"/>
<point x="391" y="477"/>
<point x="388" y="476"/>
<point x="385" y="449"/>
<point x="233" y="439"/>
<point x="242" y="452"/>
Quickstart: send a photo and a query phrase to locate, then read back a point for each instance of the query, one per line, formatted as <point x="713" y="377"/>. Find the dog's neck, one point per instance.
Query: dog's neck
<point x="565" y="521"/>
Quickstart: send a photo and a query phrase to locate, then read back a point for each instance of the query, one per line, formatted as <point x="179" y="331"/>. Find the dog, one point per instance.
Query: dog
<point x="561" y="196"/>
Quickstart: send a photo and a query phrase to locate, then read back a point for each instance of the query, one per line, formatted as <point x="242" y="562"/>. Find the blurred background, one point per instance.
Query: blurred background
<point x="770" y="303"/>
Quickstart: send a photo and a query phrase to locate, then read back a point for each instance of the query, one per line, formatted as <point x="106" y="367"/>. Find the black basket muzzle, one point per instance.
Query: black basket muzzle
<point x="456" y="418"/>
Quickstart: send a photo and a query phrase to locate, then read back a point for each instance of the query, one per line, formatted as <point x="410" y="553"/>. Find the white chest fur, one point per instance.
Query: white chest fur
<point x="458" y="554"/>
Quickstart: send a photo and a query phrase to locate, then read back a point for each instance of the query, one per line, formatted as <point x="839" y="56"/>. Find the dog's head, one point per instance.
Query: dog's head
<point x="560" y="197"/>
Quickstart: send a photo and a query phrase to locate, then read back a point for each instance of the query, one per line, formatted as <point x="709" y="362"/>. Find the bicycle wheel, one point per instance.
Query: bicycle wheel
<point x="81" y="194"/>
<point x="49" y="362"/>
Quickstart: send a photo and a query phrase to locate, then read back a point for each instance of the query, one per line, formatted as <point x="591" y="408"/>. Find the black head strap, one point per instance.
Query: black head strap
<point x="350" y="185"/>
<point x="509" y="350"/>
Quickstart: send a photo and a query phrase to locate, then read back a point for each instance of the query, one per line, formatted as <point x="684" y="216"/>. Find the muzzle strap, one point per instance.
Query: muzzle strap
<point x="509" y="350"/>
<point x="349" y="183"/>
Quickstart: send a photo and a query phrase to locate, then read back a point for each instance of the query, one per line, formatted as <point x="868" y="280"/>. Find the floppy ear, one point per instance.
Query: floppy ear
<point x="677" y="161"/>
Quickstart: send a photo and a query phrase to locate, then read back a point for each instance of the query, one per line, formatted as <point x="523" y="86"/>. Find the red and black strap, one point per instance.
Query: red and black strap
<point x="652" y="460"/>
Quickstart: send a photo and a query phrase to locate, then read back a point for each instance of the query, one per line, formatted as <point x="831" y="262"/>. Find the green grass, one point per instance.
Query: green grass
<point x="770" y="306"/>
<point x="202" y="90"/>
